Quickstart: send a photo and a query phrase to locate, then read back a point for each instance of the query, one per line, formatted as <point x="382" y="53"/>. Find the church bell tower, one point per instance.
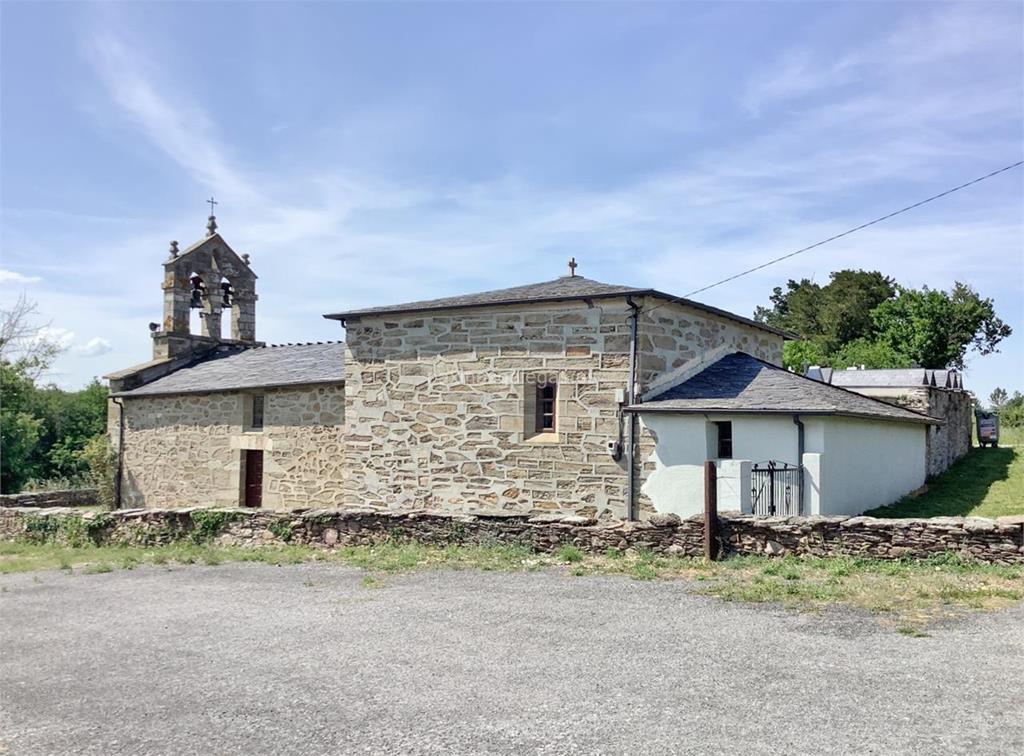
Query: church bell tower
<point x="210" y="277"/>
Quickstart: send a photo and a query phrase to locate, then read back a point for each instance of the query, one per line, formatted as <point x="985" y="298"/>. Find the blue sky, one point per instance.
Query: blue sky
<point x="373" y="153"/>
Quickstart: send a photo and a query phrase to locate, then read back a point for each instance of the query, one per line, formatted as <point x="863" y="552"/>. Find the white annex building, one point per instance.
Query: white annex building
<point x="783" y="443"/>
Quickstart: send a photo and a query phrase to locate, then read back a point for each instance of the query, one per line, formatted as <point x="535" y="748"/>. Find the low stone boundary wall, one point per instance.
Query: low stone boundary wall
<point x="994" y="541"/>
<point x="80" y="497"/>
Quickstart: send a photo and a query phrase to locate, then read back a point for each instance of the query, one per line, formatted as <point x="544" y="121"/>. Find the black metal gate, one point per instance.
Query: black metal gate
<point x="775" y="489"/>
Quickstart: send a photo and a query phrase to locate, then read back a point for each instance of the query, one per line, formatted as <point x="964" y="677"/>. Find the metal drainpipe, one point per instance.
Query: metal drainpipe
<point x="120" y="450"/>
<point x="800" y="458"/>
<point x="630" y="399"/>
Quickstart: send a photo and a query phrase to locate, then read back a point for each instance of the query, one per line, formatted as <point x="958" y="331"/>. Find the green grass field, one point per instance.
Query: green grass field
<point x="986" y="483"/>
<point x="1010" y="436"/>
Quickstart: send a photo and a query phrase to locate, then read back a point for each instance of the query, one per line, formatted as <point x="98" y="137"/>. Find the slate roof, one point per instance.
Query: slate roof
<point x="741" y="383"/>
<point x="895" y="378"/>
<point x="258" y="367"/>
<point x="564" y="288"/>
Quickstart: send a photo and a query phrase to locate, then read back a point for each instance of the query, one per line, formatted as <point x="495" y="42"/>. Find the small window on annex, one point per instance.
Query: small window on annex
<point x="723" y="445"/>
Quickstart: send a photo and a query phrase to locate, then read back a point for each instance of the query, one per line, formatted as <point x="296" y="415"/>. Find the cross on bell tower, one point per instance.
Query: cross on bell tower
<point x="572" y="267"/>
<point x="211" y="222"/>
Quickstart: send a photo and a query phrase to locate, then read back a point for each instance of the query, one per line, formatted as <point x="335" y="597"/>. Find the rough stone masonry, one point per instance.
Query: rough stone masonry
<point x="979" y="539"/>
<point x="187" y="448"/>
<point x="437" y="405"/>
<point x="423" y="409"/>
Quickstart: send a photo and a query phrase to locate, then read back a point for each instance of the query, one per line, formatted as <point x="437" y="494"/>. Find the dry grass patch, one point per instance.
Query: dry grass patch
<point x="905" y="594"/>
<point x="909" y="593"/>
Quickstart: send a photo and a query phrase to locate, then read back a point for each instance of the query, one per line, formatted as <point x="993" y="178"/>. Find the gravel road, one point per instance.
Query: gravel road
<point x="255" y="659"/>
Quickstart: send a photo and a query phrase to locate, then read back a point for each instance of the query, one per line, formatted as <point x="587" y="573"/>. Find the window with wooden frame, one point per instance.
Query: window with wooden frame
<point x="546" y="407"/>
<point x="724" y="444"/>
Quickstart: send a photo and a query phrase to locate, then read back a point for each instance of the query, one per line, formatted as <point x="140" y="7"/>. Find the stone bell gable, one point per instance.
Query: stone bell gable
<point x="208" y="276"/>
<point x="212" y="277"/>
<point x="219" y="418"/>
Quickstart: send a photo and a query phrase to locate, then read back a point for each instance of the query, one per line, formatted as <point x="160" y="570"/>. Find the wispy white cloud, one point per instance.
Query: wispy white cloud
<point x="428" y="231"/>
<point x="797" y="75"/>
<point x="11" y="277"/>
<point x="948" y="32"/>
<point x="94" y="347"/>
<point x="46" y="214"/>
<point x="274" y="210"/>
<point x="175" y="125"/>
<point x="892" y="65"/>
<point x="62" y="338"/>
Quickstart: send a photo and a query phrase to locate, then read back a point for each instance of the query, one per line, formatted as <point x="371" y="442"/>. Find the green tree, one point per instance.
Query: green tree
<point x="101" y="461"/>
<point x="870" y="354"/>
<point x="1011" y="412"/>
<point x="70" y="419"/>
<point x="795" y="309"/>
<point x="19" y="428"/>
<point x="865" y="318"/>
<point x="998" y="398"/>
<point x="43" y="430"/>
<point x="799" y="355"/>
<point x="936" y="329"/>
<point x="832" y="315"/>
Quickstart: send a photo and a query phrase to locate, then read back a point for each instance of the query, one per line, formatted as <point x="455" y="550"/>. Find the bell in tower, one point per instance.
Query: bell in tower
<point x="197" y="292"/>
<point x="226" y="292"/>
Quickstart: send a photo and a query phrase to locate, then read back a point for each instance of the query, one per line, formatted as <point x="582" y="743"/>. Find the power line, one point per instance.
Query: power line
<point x="850" y="231"/>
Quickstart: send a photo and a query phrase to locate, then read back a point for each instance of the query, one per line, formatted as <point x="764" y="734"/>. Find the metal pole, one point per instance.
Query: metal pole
<point x="710" y="511"/>
<point x="120" y="450"/>
<point x="799" y="464"/>
<point x="630" y="399"/>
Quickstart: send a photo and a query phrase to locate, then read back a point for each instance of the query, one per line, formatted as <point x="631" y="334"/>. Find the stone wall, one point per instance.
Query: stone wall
<point x="673" y="336"/>
<point x="946" y="443"/>
<point x="992" y="541"/>
<point x="303" y="438"/>
<point x="438" y="404"/>
<point x="187" y="449"/>
<point x="177" y="450"/>
<point x="949" y="442"/>
<point x="80" y="497"/>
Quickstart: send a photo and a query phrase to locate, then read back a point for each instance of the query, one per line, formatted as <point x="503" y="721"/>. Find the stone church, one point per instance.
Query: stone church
<point x="549" y="397"/>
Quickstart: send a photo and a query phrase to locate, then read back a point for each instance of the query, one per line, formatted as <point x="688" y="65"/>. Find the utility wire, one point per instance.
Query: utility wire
<point x="849" y="231"/>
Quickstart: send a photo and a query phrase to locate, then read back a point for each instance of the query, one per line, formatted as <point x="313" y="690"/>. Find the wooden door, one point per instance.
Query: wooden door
<point x="253" y="477"/>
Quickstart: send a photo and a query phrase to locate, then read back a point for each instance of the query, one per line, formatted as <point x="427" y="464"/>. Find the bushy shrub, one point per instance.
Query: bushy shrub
<point x="207" y="524"/>
<point x="102" y="462"/>
<point x="282" y="529"/>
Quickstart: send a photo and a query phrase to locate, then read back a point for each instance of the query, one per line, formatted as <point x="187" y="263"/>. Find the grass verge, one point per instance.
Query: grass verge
<point x="905" y="594"/>
<point x="985" y="483"/>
